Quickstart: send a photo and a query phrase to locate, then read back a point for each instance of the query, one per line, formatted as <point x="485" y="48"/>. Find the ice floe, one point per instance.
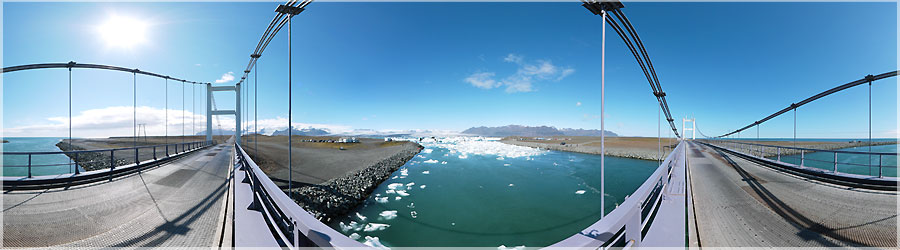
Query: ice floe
<point x="381" y="199"/>
<point x="410" y="184"/>
<point x="390" y="191"/>
<point x="501" y="158"/>
<point x="398" y="198"/>
<point x="503" y="247"/>
<point x="402" y="193"/>
<point x="374" y="242"/>
<point x="426" y="172"/>
<point x="389" y="214"/>
<point x="432" y="161"/>
<point x="421" y="156"/>
<point x="579" y="192"/>
<point x="512" y="185"/>
<point x="413" y="214"/>
<point x="466" y="146"/>
<point x="361" y="217"/>
<point x="422" y="187"/>
<point x="506" y="165"/>
<point x="371" y="227"/>
<point x="427" y="150"/>
<point x="395" y="185"/>
<point x="354" y="236"/>
<point x="443" y="163"/>
<point x="404" y="172"/>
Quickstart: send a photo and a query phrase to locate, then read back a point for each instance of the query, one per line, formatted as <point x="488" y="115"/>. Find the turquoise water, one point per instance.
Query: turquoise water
<point x="488" y="194"/>
<point x="824" y="160"/>
<point x="34" y="144"/>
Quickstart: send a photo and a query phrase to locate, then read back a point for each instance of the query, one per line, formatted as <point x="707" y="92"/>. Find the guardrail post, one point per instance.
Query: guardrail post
<point x="76" y="162"/>
<point x="136" y="162"/>
<point x="154" y="153"/>
<point x="779" y="154"/>
<point x="29" y="165"/>
<point x="801" y="157"/>
<point x="835" y="163"/>
<point x="112" y="160"/>
<point x="879" y="166"/>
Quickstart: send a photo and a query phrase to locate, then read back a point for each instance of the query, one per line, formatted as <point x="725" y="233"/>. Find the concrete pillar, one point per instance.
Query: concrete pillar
<point x="237" y="114"/>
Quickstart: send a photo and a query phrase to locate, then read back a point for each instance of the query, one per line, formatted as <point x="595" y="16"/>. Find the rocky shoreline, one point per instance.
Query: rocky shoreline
<point x="340" y="195"/>
<point x="89" y="161"/>
<point x="634" y="153"/>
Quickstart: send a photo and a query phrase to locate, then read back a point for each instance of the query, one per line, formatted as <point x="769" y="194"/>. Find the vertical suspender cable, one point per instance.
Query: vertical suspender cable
<point x="870" y="124"/>
<point x="658" y="135"/>
<point x="602" y="118"/>
<point x="795" y="127"/>
<point x="255" y="107"/>
<point x="134" y="109"/>
<point x="193" y="107"/>
<point x="70" y="117"/>
<point x="167" y="116"/>
<point x="182" y="112"/>
<point x="290" y="147"/>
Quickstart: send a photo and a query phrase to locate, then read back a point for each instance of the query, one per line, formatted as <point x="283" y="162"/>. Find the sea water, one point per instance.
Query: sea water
<point x="480" y="192"/>
<point x="851" y="163"/>
<point x="16" y="165"/>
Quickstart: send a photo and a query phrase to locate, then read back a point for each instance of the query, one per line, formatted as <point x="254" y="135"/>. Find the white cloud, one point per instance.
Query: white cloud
<point x="578" y="104"/>
<point x="114" y="121"/>
<point x="513" y="58"/>
<point x="482" y="80"/>
<point x="227" y="77"/>
<point x="524" y="78"/>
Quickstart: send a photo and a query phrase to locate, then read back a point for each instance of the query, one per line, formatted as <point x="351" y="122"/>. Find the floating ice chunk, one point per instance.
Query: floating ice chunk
<point x="344" y="227"/>
<point x="503" y="247"/>
<point x="374" y="242"/>
<point x="445" y="155"/>
<point x="443" y="163"/>
<point x="402" y="193"/>
<point x="404" y="172"/>
<point x="371" y="227"/>
<point x="463" y="156"/>
<point x="554" y="164"/>
<point x="395" y="185"/>
<point x="422" y="187"/>
<point x="427" y="150"/>
<point x="388" y="214"/>
<point x="413" y="214"/>
<point x="579" y="192"/>
<point x="426" y="172"/>
<point x="506" y="165"/>
<point x="421" y="156"/>
<point x="432" y="161"/>
<point x="395" y="177"/>
<point x="411" y="205"/>
<point x="398" y="198"/>
<point x="354" y="236"/>
<point x="500" y="158"/>
<point x="512" y="185"/>
<point x="361" y="217"/>
<point x="410" y="184"/>
<point x="390" y="191"/>
<point x="381" y="199"/>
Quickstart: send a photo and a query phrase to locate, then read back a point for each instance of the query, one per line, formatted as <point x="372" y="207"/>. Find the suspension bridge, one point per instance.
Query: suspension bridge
<point x="716" y="191"/>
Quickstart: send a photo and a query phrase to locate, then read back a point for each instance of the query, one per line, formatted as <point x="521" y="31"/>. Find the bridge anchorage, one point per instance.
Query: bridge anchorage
<point x="721" y="191"/>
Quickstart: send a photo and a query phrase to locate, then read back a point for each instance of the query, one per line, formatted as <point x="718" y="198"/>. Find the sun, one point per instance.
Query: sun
<point x="123" y="32"/>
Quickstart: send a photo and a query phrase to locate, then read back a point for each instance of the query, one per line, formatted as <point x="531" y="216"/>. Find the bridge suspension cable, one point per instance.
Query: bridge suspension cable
<point x="867" y="79"/>
<point x="636" y="46"/>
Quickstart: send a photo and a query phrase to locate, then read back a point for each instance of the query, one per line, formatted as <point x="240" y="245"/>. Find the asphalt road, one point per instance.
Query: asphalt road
<point x="177" y="204"/>
<point x="739" y="203"/>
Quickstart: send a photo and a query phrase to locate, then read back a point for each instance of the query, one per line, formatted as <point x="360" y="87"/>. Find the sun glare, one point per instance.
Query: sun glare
<point x="123" y="32"/>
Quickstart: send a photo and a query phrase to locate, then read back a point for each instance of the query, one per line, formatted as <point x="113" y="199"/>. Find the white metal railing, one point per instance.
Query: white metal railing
<point x="286" y="219"/>
<point x="628" y="223"/>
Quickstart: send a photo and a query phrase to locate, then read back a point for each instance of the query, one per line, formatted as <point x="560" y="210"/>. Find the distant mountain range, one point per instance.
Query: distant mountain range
<point x="305" y="132"/>
<point x="517" y="130"/>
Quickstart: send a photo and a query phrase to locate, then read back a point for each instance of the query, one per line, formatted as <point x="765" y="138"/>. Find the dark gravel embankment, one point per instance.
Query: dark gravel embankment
<point x="340" y="195"/>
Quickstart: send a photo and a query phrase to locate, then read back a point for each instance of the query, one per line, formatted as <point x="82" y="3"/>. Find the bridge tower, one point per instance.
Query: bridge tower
<point x="236" y="112"/>
<point x="693" y="125"/>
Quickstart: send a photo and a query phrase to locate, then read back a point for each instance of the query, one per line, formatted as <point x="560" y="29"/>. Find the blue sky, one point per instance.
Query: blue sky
<point x="451" y="66"/>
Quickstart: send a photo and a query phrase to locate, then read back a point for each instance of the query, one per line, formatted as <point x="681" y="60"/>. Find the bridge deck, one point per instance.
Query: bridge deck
<point x="176" y="204"/>
<point x="739" y="203"/>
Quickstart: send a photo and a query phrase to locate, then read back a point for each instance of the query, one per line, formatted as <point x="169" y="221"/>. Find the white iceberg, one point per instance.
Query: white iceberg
<point x="432" y="161"/>
<point x="422" y="187"/>
<point x="374" y="242"/>
<point x="395" y="185"/>
<point x="402" y="193"/>
<point x="426" y="172"/>
<point x="381" y="199"/>
<point x="427" y="150"/>
<point x="361" y="217"/>
<point x="354" y="236"/>
<point x="579" y="192"/>
<point x="443" y="163"/>
<point x="389" y="214"/>
<point x="371" y="227"/>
